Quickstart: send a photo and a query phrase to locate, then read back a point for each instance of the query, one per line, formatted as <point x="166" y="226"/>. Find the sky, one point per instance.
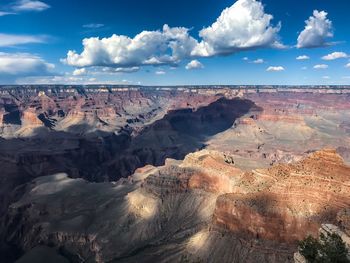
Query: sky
<point x="163" y="42"/>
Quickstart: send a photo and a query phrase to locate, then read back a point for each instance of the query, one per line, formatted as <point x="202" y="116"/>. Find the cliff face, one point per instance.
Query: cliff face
<point x="201" y="208"/>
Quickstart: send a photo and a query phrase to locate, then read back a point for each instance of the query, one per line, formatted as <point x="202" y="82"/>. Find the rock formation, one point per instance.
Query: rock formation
<point x="86" y="174"/>
<point x="190" y="210"/>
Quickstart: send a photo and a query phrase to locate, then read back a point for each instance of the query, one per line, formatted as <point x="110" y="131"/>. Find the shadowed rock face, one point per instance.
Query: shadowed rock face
<point x="177" y="134"/>
<point x="12" y="116"/>
<point x="112" y="156"/>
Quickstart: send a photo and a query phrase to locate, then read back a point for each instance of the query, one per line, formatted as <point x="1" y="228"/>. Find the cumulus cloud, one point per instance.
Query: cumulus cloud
<point x="302" y="57"/>
<point x="79" y="72"/>
<point x="8" y="40"/>
<point x="194" y="64"/>
<point x="347" y="65"/>
<point x="245" y="58"/>
<point x="316" y="32"/>
<point x="335" y="55"/>
<point x="24" y="64"/>
<point x="326" y="77"/>
<point x="276" y="68"/>
<point x="30" y="5"/>
<point x="242" y="26"/>
<point x="171" y="45"/>
<point x="320" y="66"/>
<point x="258" y="61"/>
<point x="168" y="46"/>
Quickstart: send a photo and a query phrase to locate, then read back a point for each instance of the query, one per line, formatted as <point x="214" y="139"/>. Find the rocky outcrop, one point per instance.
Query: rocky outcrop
<point x="292" y="201"/>
<point x="205" y="170"/>
<point x="202" y="208"/>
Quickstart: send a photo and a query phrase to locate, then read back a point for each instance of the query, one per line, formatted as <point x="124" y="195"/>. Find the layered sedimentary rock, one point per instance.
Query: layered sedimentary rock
<point x="290" y="125"/>
<point x="291" y="202"/>
<point x="202" y="208"/>
<point x="86" y="110"/>
<point x="248" y="188"/>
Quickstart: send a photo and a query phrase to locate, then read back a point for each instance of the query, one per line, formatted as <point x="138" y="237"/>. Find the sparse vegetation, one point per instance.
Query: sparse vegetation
<point x="329" y="248"/>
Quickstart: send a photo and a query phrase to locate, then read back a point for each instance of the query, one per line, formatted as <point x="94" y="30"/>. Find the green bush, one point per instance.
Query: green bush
<point x="329" y="248"/>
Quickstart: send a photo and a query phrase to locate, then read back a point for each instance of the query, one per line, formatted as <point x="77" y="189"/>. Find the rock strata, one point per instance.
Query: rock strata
<point x="202" y="208"/>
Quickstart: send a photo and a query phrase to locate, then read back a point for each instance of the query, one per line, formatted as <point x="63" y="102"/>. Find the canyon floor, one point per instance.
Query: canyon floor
<point x="170" y="174"/>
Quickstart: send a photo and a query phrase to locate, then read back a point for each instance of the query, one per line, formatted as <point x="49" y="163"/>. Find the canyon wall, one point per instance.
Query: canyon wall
<point x="252" y="175"/>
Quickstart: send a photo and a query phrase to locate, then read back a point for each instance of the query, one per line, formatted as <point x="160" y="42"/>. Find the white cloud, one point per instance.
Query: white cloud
<point x="304" y="68"/>
<point x="23" y="64"/>
<point x="320" y="66"/>
<point x="194" y="64"/>
<point x="69" y="80"/>
<point x="326" y="77"/>
<point x="258" y="61"/>
<point x="79" y="71"/>
<point x="160" y="72"/>
<point x="302" y="57"/>
<point x="51" y="80"/>
<point x="121" y="70"/>
<point x="8" y="40"/>
<point x="277" y="68"/>
<point x="3" y="13"/>
<point x="316" y="32"/>
<point x="168" y="46"/>
<point x="242" y="26"/>
<point x="347" y="65"/>
<point x="30" y="5"/>
<point x="93" y="26"/>
<point x="245" y="58"/>
<point x="335" y="55"/>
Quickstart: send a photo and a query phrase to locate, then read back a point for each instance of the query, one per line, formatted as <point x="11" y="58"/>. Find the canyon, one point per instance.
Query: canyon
<point x="171" y="174"/>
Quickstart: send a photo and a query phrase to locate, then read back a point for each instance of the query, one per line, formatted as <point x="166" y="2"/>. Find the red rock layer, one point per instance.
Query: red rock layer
<point x="287" y="202"/>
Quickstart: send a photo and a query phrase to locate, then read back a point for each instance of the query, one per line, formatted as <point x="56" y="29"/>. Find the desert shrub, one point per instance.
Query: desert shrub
<point x="329" y="248"/>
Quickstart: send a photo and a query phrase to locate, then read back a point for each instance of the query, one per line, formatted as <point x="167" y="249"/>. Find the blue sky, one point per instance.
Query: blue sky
<point x="201" y="44"/>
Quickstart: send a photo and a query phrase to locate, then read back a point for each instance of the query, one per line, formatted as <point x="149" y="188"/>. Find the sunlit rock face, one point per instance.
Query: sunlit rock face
<point x="291" y="202"/>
